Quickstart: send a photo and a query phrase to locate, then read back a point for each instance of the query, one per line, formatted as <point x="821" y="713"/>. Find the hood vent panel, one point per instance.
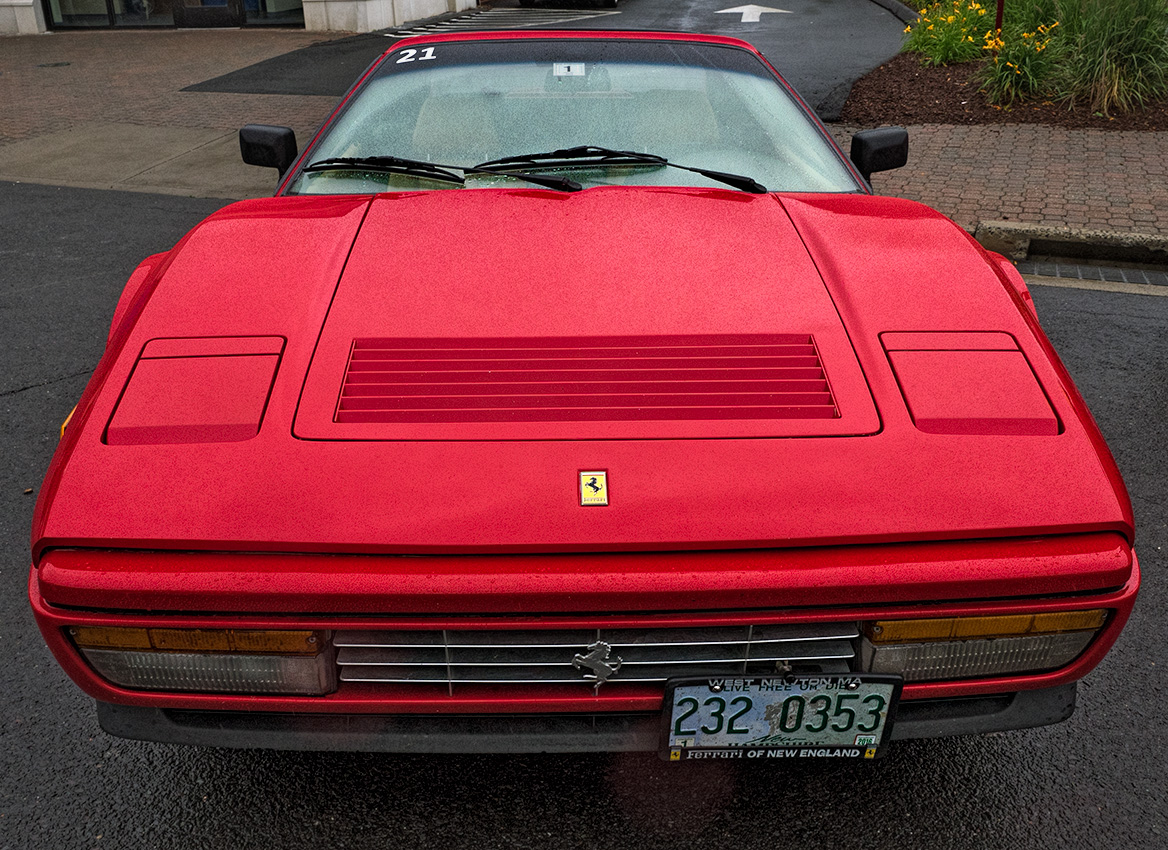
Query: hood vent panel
<point x="585" y="379"/>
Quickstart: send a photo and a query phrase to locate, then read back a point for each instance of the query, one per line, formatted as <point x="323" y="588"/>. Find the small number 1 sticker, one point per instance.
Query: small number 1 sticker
<point x="413" y="55"/>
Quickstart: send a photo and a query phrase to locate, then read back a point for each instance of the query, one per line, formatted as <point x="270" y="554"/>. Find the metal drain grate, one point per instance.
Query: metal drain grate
<point x="1077" y="271"/>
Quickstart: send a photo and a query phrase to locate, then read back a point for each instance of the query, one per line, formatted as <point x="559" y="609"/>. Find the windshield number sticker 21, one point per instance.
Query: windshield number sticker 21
<point x="409" y="55"/>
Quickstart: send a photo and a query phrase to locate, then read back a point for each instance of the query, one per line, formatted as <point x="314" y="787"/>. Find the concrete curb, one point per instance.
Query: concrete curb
<point x="905" y="13"/>
<point x="1020" y="241"/>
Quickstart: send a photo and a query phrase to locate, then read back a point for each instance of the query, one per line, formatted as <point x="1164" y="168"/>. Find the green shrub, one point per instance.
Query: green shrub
<point x="948" y="32"/>
<point x="1114" y="53"/>
<point x="1104" y="55"/>
<point x="1022" y="64"/>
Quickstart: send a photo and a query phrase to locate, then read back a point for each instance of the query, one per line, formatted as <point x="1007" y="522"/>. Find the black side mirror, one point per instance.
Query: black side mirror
<point x="880" y="150"/>
<point x="271" y="147"/>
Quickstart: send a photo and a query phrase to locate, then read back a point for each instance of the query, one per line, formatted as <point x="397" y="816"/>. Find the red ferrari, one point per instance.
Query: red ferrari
<point x="575" y="392"/>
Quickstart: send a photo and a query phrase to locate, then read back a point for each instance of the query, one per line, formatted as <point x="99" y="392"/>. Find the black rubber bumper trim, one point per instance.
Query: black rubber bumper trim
<point x="537" y="733"/>
<point x="386" y="733"/>
<point x="938" y="718"/>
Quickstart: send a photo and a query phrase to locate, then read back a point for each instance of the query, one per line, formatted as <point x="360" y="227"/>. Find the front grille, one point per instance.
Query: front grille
<point x="586" y="379"/>
<point x="532" y="656"/>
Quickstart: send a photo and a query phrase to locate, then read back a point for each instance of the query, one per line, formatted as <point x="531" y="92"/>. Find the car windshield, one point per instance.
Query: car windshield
<point x="459" y="104"/>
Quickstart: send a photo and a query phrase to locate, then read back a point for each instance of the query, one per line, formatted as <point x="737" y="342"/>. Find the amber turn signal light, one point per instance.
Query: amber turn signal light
<point x="68" y="419"/>
<point x="252" y="641"/>
<point x="968" y="628"/>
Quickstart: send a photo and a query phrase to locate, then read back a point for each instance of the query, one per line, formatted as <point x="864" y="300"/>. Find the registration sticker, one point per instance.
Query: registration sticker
<point x="786" y="716"/>
<point x="568" y="69"/>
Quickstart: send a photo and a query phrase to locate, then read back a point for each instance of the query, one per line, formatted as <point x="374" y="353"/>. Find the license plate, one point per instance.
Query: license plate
<point x="814" y="716"/>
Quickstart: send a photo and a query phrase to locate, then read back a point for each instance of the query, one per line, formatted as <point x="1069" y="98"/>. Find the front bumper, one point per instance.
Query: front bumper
<point x="618" y="732"/>
<point x="1084" y="573"/>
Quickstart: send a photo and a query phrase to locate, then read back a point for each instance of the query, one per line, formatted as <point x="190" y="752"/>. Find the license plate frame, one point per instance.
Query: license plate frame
<point x="762" y="739"/>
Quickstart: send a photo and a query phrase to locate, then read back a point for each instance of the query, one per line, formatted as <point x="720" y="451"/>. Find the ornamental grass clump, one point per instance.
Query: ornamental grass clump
<point x="947" y="32"/>
<point x="1115" y="56"/>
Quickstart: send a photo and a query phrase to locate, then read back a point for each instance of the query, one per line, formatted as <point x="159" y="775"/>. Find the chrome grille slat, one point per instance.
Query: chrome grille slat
<point x="513" y="657"/>
<point x="582" y="637"/>
<point x="463" y="657"/>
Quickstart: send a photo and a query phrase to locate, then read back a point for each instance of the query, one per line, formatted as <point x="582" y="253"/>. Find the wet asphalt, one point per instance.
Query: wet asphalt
<point x="1096" y="781"/>
<point x="820" y="46"/>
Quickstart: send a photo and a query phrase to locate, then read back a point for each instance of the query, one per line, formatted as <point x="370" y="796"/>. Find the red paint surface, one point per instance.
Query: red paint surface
<point x="948" y="342"/>
<point x="193" y="400"/>
<point x="352" y="697"/>
<point x="847" y="517"/>
<point x="973" y="393"/>
<point x="612" y="582"/>
<point x="432" y="494"/>
<point x="693" y="282"/>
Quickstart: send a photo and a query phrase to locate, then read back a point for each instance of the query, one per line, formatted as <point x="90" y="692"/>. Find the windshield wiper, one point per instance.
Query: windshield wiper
<point x="590" y="155"/>
<point x="562" y="184"/>
<point x="433" y="170"/>
<point x="385" y="164"/>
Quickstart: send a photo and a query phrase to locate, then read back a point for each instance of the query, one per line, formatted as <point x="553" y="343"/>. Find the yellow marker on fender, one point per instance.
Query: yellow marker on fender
<point x="65" y="424"/>
<point x="594" y="488"/>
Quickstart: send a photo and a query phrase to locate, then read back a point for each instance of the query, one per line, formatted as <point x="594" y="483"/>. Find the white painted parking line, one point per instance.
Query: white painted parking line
<point x="1098" y="285"/>
<point x="500" y="19"/>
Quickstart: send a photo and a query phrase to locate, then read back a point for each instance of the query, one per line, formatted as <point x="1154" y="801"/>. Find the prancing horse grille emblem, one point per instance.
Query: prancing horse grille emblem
<point x="601" y="664"/>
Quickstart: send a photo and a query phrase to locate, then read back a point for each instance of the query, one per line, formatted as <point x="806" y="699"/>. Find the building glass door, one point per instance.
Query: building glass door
<point x="209" y="13"/>
<point x="110" y="13"/>
<point x="71" y="14"/>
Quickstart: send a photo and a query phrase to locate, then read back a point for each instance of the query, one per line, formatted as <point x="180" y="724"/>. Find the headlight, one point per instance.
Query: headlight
<point x="210" y="660"/>
<point x="970" y="647"/>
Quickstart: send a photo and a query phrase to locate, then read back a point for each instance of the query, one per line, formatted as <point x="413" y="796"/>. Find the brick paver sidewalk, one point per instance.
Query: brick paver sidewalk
<point x="1026" y="173"/>
<point x="1093" y="179"/>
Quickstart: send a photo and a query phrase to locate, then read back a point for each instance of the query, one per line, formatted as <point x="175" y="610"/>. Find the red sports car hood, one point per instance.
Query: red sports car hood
<point x="607" y="314"/>
<point x="431" y="372"/>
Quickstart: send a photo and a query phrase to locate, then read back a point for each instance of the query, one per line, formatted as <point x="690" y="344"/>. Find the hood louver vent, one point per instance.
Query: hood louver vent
<point x="585" y="379"/>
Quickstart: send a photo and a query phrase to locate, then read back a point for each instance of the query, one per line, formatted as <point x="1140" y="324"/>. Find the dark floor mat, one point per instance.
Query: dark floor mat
<point x="326" y="68"/>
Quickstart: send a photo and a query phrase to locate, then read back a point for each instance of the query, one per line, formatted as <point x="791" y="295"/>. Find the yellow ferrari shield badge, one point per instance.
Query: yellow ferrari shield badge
<point x="593" y="488"/>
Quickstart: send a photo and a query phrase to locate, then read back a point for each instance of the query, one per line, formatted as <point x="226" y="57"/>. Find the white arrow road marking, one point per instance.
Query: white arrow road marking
<point x="750" y="14"/>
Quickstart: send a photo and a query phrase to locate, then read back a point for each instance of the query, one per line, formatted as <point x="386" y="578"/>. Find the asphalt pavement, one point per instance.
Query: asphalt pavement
<point x="1096" y="781"/>
<point x="864" y="33"/>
